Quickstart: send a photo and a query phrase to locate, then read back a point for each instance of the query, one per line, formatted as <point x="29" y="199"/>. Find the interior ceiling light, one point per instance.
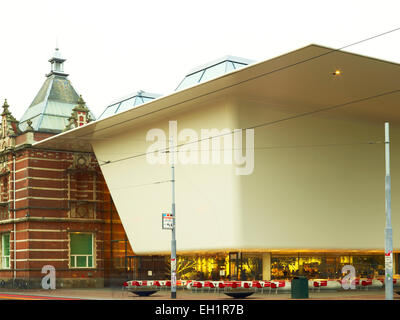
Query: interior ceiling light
<point x="337" y="72"/>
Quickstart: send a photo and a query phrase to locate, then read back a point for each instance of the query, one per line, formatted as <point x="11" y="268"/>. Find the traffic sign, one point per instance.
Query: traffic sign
<point x="167" y="221"/>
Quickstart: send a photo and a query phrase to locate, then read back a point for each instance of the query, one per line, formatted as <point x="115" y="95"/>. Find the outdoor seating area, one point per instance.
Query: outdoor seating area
<point x="267" y="287"/>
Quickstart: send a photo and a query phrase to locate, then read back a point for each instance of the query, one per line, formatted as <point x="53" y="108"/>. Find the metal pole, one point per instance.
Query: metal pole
<point x="388" y="228"/>
<point x="173" y="241"/>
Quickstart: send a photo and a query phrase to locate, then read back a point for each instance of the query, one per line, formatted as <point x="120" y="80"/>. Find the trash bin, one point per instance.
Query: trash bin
<point x="299" y="288"/>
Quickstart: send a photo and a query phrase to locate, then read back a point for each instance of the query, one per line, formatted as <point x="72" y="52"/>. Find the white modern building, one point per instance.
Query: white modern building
<point x="305" y="191"/>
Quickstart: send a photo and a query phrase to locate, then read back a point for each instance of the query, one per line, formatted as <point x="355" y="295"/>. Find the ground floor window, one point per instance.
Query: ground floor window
<point x="5" y="251"/>
<point x="250" y="266"/>
<point x="81" y="250"/>
<point x="325" y="266"/>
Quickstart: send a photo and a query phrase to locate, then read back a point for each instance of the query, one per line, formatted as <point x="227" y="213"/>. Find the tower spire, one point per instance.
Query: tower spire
<point x="57" y="63"/>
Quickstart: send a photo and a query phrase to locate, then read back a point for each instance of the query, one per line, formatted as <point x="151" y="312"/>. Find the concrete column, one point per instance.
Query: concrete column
<point x="266" y="265"/>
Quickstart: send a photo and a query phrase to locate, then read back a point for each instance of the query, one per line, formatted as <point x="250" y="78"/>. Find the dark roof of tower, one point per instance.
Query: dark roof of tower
<point x="53" y="104"/>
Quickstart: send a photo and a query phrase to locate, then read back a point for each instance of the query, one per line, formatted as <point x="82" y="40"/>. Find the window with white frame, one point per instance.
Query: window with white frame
<point x="5" y="251"/>
<point x="81" y="247"/>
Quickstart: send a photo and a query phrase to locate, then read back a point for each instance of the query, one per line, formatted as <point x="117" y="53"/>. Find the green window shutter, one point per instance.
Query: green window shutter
<point x="81" y="244"/>
<point x="6" y="245"/>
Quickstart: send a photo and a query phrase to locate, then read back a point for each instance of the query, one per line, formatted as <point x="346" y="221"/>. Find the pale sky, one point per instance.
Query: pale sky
<point x="117" y="47"/>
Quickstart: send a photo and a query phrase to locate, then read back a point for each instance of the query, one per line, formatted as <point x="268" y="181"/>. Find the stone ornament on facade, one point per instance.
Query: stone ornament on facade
<point x="9" y="128"/>
<point x="29" y="127"/>
<point x="79" y="207"/>
<point x="81" y="161"/>
<point x="80" y="115"/>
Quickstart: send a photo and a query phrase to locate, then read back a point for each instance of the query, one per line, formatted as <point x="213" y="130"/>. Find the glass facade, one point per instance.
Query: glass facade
<point x="249" y="266"/>
<point x="325" y="265"/>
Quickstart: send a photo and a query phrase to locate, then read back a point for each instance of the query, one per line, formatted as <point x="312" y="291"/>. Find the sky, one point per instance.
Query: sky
<point x="114" y="48"/>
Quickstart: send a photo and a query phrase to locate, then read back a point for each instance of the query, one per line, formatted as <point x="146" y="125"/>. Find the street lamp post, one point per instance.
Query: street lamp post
<point x="173" y="241"/>
<point x="388" y="227"/>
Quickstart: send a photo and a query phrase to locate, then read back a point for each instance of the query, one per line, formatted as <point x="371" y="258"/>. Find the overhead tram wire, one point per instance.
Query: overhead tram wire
<point x="253" y="78"/>
<point x="266" y="147"/>
<point x="291" y="146"/>
<point x="259" y="148"/>
<point x="345" y="104"/>
<point x="141" y="185"/>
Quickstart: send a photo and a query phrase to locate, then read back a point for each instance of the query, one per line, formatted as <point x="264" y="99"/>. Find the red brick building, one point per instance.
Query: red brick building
<point x="55" y="208"/>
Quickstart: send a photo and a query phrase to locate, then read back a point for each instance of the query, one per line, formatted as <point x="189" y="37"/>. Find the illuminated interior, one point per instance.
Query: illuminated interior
<point x="249" y="265"/>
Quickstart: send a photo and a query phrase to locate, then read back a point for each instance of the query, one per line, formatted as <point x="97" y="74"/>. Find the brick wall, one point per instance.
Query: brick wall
<point x="54" y="196"/>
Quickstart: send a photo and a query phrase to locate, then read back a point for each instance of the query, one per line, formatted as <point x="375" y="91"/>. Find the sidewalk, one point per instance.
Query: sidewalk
<point x="119" y="294"/>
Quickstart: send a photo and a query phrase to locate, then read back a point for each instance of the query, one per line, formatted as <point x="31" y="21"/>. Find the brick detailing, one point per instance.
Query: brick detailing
<point x="58" y="193"/>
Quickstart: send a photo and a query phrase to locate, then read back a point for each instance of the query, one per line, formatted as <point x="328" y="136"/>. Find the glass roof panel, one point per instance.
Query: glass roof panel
<point x="126" y="105"/>
<point x="146" y="99"/>
<point x="139" y="101"/>
<point x="109" y="111"/>
<point x="230" y="66"/>
<point x="190" y="80"/>
<point x="128" y="102"/>
<point x="239" y="65"/>
<point x="214" y="72"/>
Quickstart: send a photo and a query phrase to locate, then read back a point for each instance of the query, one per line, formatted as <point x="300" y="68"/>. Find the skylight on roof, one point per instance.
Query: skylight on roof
<point x="128" y="102"/>
<point x="213" y="70"/>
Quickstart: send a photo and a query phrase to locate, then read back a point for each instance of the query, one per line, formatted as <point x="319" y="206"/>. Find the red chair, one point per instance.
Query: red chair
<point x="221" y="285"/>
<point x="256" y="285"/>
<point x="366" y="283"/>
<point x="197" y="285"/>
<point x="131" y="284"/>
<point x="356" y="282"/>
<point x="245" y="285"/>
<point x="210" y="285"/>
<point x="230" y="284"/>
<point x="320" y="283"/>
<point x="266" y="284"/>
<point x="277" y="285"/>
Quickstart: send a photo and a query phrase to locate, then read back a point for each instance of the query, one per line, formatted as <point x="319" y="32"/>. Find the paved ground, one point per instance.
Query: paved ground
<point x="119" y="294"/>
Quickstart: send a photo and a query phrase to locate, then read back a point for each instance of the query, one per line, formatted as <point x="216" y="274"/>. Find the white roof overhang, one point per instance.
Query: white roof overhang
<point x="301" y="81"/>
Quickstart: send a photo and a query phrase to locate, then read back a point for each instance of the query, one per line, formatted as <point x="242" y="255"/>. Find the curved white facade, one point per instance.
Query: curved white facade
<point x="317" y="183"/>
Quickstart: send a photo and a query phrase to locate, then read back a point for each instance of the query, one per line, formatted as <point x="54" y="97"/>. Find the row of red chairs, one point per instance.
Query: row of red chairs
<point x="225" y="285"/>
<point x="144" y="283"/>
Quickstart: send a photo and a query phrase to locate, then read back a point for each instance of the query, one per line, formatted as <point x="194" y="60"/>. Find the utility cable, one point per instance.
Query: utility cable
<point x="253" y="78"/>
